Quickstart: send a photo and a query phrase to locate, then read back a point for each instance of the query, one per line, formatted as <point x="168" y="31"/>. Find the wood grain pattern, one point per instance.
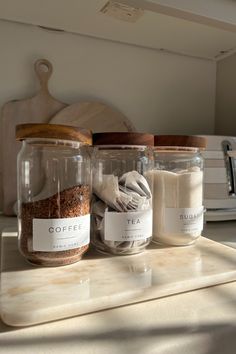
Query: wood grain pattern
<point x="180" y="140"/>
<point x="53" y="131"/>
<point x="94" y="115"/>
<point x="123" y="138"/>
<point x="37" y="109"/>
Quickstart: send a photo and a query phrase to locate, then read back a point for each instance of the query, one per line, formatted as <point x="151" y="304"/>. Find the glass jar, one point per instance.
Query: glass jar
<point x="54" y="193"/>
<point x="178" y="189"/>
<point x="122" y="192"/>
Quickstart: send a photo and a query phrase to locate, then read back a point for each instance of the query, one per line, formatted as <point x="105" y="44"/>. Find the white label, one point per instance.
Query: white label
<point x="51" y="235"/>
<point x="132" y="226"/>
<point x="184" y="220"/>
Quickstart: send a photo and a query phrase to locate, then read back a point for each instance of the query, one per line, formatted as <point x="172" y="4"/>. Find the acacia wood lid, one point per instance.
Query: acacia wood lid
<point x="123" y="138"/>
<point x="53" y="131"/>
<point x="180" y="141"/>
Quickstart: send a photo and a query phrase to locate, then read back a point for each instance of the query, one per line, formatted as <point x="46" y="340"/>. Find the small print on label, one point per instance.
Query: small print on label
<point x="130" y="226"/>
<point x="61" y="234"/>
<point x="184" y="220"/>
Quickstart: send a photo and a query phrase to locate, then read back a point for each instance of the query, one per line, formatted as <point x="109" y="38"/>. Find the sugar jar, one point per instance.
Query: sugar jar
<point x="122" y="192"/>
<point x="178" y="189"/>
<point x="54" y="190"/>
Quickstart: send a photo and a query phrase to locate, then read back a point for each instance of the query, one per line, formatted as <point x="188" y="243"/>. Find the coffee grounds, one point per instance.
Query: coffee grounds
<point x="69" y="203"/>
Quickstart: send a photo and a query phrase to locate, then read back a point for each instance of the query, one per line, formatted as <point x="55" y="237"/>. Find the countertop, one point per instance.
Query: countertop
<point x="201" y="321"/>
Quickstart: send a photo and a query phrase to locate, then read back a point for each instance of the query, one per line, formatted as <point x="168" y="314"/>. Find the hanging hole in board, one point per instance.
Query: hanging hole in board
<point x="44" y="68"/>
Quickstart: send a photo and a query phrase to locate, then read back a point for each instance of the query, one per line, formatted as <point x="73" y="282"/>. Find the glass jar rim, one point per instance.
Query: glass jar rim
<point x="46" y="142"/>
<point x="121" y="147"/>
<point x="176" y="149"/>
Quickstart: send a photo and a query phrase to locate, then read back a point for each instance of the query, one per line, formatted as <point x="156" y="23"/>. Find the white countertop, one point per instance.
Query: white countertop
<point x="198" y="322"/>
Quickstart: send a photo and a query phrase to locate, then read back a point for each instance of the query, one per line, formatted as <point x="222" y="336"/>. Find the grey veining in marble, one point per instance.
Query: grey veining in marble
<point x="31" y="295"/>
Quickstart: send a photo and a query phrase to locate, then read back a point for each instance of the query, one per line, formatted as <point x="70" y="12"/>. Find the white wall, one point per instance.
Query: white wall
<point x="158" y="92"/>
<point x="226" y="97"/>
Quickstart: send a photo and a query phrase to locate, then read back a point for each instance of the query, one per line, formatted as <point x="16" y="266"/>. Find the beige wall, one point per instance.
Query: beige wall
<point x="226" y="97"/>
<point x="158" y="92"/>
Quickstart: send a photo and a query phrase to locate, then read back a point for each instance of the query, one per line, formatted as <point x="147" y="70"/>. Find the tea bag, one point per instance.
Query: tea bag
<point x="99" y="225"/>
<point x="108" y="190"/>
<point x="136" y="182"/>
<point x="128" y="194"/>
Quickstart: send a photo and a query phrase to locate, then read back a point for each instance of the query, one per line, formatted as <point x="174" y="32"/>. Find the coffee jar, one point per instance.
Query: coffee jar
<point x="178" y="189"/>
<point x="122" y="192"/>
<point x="54" y="193"/>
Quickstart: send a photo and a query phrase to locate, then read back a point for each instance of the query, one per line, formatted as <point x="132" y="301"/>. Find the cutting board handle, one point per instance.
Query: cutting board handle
<point x="43" y="69"/>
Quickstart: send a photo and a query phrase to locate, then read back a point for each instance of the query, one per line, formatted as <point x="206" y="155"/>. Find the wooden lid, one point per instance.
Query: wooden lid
<point x="53" y="131"/>
<point x="180" y="141"/>
<point x="123" y="138"/>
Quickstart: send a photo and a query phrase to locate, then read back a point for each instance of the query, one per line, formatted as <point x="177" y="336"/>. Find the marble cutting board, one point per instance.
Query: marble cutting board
<point x="32" y="295"/>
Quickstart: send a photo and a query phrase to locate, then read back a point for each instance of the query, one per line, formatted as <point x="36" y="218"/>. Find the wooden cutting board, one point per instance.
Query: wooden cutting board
<point x="38" y="109"/>
<point x="94" y="115"/>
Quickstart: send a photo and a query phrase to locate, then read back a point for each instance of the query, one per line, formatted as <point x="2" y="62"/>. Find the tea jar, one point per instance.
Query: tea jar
<point x="178" y="189"/>
<point x="122" y="192"/>
<point x="54" y="193"/>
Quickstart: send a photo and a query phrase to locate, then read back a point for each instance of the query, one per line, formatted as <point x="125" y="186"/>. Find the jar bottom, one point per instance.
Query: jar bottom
<point x="118" y="252"/>
<point x="54" y="259"/>
<point x="167" y="242"/>
<point x="51" y="263"/>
